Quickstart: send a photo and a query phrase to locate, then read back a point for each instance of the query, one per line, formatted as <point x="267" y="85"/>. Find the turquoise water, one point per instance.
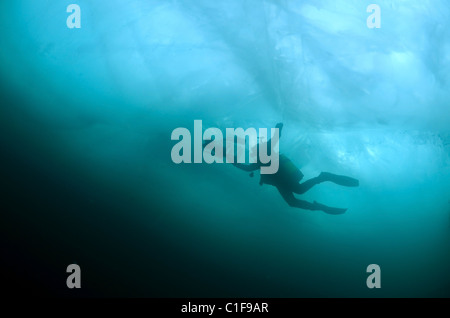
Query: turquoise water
<point x="87" y="116"/>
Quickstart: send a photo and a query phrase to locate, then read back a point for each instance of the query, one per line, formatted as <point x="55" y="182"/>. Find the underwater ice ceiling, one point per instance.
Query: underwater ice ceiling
<point x="370" y="98"/>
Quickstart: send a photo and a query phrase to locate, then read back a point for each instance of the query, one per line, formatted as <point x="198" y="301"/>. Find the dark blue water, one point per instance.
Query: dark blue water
<point x="87" y="115"/>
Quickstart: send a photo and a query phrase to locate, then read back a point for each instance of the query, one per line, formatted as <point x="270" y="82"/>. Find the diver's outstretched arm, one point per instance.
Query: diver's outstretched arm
<point x="288" y="196"/>
<point x="280" y="127"/>
<point x="247" y="167"/>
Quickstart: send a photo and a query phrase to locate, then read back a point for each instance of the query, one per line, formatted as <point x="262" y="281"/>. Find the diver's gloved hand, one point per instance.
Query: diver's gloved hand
<point x="327" y="209"/>
<point x="280" y="127"/>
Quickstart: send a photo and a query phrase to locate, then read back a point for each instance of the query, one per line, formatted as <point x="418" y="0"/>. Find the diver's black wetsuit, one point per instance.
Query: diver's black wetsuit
<point x="287" y="181"/>
<point x="288" y="185"/>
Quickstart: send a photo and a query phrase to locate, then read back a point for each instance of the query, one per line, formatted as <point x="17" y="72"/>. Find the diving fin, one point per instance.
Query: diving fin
<point x="328" y="209"/>
<point x="341" y="180"/>
<point x="335" y="211"/>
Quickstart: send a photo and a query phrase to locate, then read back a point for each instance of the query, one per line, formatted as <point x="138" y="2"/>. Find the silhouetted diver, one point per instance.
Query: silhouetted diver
<point x="287" y="181"/>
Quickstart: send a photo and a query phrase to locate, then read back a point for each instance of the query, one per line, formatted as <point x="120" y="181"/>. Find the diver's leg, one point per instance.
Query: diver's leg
<point x="301" y="188"/>
<point x="288" y="196"/>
